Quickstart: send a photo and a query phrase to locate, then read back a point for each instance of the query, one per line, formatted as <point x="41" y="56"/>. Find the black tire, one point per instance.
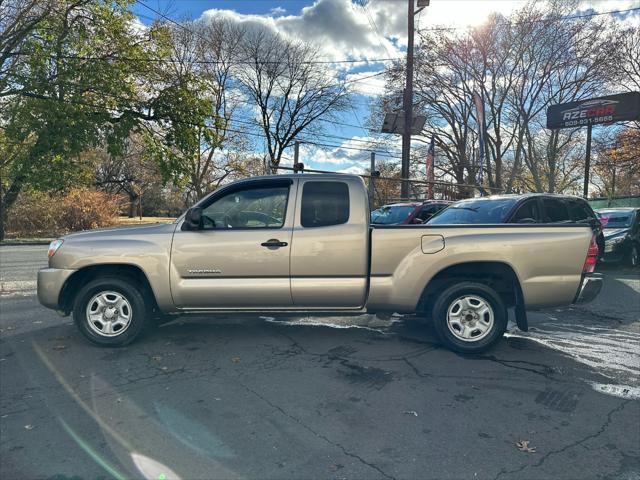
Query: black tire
<point x="139" y="314"/>
<point x="633" y="257"/>
<point x="476" y="290"/>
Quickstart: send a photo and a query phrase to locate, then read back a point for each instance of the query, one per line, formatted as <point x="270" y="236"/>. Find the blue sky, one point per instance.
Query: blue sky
<point x="348" y="30"/>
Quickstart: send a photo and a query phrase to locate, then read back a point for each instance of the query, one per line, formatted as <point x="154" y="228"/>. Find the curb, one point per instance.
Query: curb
<point x="26" y="241"/>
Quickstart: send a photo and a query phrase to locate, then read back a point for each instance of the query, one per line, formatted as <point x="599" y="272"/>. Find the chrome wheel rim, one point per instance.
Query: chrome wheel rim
<point x="108" y="314"/>
<point x="470" y="318"/>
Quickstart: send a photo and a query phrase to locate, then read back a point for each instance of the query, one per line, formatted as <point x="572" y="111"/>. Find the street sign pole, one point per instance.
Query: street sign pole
<point x="372" y="186"/>
<point x="587" y="164"/>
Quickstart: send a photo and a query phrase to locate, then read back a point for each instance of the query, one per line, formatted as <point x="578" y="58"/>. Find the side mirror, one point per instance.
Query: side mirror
<point x="193" y="219"/>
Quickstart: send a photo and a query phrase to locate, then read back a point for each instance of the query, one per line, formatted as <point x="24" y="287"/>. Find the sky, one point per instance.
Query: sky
<point x="365" y="30"/>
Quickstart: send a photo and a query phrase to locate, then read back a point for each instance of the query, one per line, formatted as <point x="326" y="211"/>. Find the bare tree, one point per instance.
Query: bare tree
<point x="194" y="147"/>
<point x="289" y="89"/>
<point x="519" y="66"/>
<point x="629" y="64"/>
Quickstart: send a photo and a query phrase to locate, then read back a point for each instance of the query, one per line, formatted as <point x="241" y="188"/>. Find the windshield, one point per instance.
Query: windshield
<point x="390" y="214"/>
<point x="616" y="219"/>
<point x="475" y="211"/>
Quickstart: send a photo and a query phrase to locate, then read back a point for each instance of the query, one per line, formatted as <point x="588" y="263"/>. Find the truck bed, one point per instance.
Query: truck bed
<point x="547" y="260"/>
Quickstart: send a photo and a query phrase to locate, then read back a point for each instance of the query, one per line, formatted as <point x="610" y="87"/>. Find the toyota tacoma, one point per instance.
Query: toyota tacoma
<point x="304" y="243"/>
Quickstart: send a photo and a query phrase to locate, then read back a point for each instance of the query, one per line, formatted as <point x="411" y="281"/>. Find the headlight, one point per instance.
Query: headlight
<point x="615" y="241"/>
<point x="54" y="246"/>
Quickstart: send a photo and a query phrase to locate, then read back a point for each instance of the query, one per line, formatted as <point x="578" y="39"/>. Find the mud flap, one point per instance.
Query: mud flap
<point x="521" y="311"/>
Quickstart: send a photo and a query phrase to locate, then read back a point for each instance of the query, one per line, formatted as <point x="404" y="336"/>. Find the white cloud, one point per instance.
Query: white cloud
<point x="276" y="11"/>
<point x="366" y="84"/>
<point x="355" y="170"/>
<point x="339" y="26"/>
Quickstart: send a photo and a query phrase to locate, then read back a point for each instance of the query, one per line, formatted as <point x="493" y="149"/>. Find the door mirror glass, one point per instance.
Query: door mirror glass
<point x="193" y="219"/>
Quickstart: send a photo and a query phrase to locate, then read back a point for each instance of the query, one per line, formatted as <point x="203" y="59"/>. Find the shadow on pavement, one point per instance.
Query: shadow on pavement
<point x="227" y="398"/>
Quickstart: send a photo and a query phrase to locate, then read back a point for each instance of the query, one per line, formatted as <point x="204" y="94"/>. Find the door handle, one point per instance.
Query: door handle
<point x="274" y="243"/>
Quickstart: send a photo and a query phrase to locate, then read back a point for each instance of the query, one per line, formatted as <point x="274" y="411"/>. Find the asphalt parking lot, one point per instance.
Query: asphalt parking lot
<point x="344" y="397"/>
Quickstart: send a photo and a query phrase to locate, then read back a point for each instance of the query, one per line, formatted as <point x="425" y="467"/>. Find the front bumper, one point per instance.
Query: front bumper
<point x="590" y="288"/>
<point x="50" y="283"/>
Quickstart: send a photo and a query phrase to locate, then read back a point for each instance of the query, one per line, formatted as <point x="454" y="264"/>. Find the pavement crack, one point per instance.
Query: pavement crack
<point x="317" y="434"/>
<point x="544" y="458"/>
<point x="415" y="369"/>
<point x="546" y="371"/>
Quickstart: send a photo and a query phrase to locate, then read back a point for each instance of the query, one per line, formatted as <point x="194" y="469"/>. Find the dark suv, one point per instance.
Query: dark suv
<point x="621" y="234"/>
<point x="526" y="208"/>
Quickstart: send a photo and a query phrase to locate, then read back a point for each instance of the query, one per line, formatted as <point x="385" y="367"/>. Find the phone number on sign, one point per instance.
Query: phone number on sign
<point x="587" y="121"/>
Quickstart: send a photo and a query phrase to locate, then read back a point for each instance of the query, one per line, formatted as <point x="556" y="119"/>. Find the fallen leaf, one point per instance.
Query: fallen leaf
<point x="410" y="412"/>
<point x="28" y="427"/>
<point x="523" y="446"/>
<point x="235" y="359"/>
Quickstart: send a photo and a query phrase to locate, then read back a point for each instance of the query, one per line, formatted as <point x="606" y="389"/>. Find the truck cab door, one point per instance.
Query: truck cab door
<point x="239" y="259"/>
<point x="329" y="254"/>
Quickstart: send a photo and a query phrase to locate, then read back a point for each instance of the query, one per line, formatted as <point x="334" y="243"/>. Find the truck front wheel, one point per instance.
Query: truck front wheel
<point x="469" y="317"/>
<point x="111" y="311"/>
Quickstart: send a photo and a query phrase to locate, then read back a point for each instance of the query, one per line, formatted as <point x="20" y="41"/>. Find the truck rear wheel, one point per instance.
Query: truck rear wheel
<point x="469" y="317"/>
<point x="111" y="311"/>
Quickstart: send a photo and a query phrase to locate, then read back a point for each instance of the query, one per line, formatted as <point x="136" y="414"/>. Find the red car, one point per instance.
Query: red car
<point x="408" y="212"/>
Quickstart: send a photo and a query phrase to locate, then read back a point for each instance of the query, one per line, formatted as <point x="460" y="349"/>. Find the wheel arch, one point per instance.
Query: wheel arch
<point x="91" y="272"/>
<point x="500" y="276"/>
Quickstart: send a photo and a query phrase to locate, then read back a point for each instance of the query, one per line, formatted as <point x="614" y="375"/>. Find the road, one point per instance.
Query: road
<point x="341" y="397"/>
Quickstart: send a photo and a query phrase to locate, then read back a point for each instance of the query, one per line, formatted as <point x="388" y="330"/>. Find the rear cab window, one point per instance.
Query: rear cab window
<point x="554" y="210"/>
<point x="324" y="204"/>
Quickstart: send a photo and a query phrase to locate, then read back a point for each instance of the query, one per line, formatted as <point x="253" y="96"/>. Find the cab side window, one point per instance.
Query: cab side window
<point x="262" y="207"/>
<point x="527" y="213"/>
<point x="324" y="204"/>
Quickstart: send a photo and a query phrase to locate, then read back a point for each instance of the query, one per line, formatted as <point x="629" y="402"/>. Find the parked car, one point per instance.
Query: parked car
<point x="530" y="208"/>
<point x="621" y="235"/>
<point x="313" y="249"/>
<point x="407" y="213"/>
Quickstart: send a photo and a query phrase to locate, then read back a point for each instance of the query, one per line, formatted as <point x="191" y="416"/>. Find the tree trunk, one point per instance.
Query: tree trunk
<point x="132" y="204"/>
<point x="7" y="200"/>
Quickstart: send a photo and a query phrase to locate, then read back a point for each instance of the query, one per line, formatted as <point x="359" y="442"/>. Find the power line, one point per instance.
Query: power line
<point x="103" y="109"/>
<point x="244" y="120"/>
<point x="525" y="22"/>
<point x="199" y="62"/>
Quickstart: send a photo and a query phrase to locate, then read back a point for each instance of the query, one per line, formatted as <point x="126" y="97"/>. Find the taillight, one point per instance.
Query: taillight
<point x="592" y="257"/>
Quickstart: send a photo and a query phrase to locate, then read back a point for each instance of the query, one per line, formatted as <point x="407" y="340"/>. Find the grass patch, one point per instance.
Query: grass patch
<point x="143" y="220"/>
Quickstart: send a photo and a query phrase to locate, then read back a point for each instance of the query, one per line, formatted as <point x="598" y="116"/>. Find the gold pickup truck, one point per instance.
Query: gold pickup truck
<point x="303" y="243"/>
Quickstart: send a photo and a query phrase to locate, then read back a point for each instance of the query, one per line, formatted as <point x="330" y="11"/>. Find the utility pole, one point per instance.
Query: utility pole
<point x="407" y="105"/>
<point x="407" y="102"/>
<point x="587" y="164"/>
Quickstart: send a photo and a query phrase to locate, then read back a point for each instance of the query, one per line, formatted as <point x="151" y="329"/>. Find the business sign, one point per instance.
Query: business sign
<point x="612" y="108"/>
